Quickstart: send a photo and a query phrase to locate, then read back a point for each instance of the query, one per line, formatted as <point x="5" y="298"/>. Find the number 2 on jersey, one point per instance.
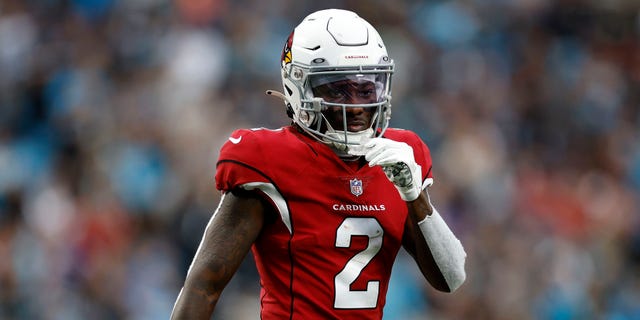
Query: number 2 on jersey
<point x="345" y="298"/>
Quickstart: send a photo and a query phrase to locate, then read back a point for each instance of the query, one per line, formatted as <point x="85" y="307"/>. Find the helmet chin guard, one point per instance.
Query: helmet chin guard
<point x="355" y="141"/>
<point x="328" y="46"/>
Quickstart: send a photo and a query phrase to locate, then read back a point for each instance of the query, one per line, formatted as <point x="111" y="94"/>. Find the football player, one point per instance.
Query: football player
<point x="326" y="203"/>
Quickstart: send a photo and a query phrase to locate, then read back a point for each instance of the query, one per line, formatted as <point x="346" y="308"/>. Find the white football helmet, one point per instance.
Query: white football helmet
<point x="328" y="46"/>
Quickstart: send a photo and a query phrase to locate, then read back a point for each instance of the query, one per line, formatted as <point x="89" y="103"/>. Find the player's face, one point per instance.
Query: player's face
<point x="348" y="92"/>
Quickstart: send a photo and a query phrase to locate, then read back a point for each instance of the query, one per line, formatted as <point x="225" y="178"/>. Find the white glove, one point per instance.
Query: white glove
<point x="397" y="162"/>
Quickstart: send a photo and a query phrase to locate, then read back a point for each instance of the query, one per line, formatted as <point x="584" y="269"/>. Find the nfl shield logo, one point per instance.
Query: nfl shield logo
<point x="356" y="187"/>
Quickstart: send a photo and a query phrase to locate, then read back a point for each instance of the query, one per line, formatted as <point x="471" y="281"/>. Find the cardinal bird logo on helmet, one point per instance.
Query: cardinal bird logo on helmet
<point x="286" y="51"/>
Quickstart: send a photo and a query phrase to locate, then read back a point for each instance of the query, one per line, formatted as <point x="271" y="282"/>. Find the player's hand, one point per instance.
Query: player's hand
<point x="397" y="162"/>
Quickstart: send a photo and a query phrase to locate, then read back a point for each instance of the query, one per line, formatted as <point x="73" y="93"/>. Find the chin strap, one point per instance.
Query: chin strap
<point x="355" y="141"/>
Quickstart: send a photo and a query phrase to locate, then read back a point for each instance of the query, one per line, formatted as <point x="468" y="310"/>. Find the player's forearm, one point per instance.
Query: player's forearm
<point x="206" y="279"/>
<point x="194" y="303"/>
<point x="226" y="241"/>
<point x="438" y="251"/>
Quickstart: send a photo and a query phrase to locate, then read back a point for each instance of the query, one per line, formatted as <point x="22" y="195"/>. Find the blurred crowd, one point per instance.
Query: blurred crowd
<point x="112" y="114"/>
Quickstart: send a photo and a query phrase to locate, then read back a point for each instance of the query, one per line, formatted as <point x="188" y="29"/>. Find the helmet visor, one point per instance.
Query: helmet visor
<point x="349" y="88"/>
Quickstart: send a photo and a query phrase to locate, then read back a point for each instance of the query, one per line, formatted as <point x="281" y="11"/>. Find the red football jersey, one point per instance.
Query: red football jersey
<point x="330" y="254"/>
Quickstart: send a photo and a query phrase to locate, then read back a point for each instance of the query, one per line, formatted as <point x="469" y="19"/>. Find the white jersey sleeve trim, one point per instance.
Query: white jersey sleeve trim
<point x="270" y="190"/>
<point x="428" y="182"/>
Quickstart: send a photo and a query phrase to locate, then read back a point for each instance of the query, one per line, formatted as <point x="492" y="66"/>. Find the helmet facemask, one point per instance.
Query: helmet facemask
<point x="330" y="99"/>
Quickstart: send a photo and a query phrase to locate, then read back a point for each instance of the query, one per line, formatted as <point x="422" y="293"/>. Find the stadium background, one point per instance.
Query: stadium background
<point x="112" y="114"/>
